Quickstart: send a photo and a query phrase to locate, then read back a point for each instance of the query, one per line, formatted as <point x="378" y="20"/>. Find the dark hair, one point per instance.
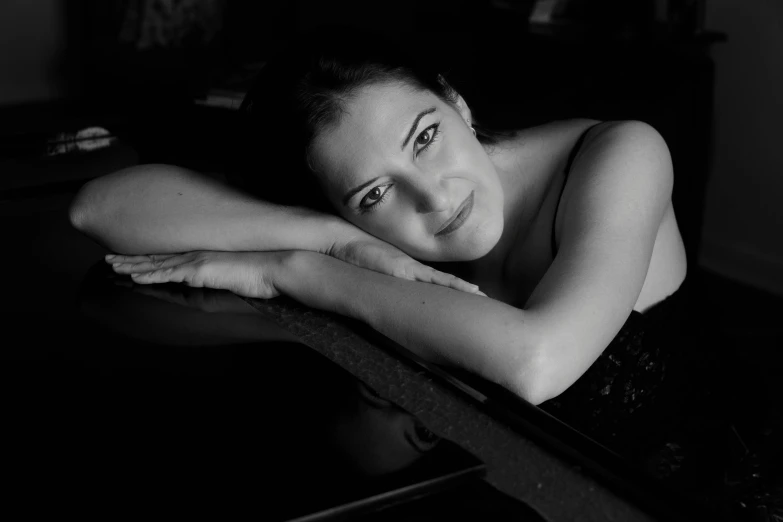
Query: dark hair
<point x="305" y="90"/>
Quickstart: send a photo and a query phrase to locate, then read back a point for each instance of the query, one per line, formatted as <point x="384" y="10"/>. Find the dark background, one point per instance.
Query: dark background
<point x="715" y="103"/>
<point x="712" y="93"/>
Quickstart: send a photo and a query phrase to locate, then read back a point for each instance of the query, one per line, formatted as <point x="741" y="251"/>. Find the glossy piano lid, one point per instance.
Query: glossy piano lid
<point x="273" y="429"/>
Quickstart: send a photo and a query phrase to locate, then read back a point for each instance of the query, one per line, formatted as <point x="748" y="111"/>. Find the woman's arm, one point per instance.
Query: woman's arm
<point x="497" y="341"/>
<point x="612" y="208"/>
<point x="619" y="190"/>
<point x="440" y="324"/>
<point x="165" y="209"/>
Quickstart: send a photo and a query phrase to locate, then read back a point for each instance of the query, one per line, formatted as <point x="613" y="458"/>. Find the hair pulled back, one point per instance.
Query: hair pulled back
<point x="304" y="91"/>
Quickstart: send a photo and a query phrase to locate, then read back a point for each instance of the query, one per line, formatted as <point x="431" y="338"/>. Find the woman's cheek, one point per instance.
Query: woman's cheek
<point x="406" y="236"/>
<point x="410" y="236"/>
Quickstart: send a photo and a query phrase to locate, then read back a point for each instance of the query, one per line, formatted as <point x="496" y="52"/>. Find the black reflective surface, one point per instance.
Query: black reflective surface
<point x="127" y="399"/>
<point x="118" y="398"/>
<point x="184" y="409"/>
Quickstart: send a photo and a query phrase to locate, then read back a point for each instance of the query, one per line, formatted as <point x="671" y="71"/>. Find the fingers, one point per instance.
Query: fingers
<point x="451" y="281"/>
<point x="459" y="284"/>
<point x="162" y="275"/>
<point x="151" y="269"/>
<point x="120" y="258"/>
<point x="136" y="264"/>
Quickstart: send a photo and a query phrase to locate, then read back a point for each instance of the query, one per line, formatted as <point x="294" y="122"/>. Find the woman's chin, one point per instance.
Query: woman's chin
<point x="478" y="242"/>
<point x="467" y="243"/>
<point x="463" y="250"/>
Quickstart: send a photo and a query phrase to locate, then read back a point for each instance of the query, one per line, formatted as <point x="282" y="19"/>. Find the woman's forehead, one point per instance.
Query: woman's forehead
<point x="382" y="105"/>
<point x="372" y="129"/>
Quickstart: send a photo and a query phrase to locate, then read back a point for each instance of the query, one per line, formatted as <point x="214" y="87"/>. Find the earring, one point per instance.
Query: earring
<point x="474" y="130"/>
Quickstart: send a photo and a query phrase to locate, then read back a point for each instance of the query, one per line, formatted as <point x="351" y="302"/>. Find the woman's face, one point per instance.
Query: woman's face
<point x="404" y="166"/>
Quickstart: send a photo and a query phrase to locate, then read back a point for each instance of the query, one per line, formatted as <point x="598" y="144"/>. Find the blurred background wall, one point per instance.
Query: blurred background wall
<point x="743" y="219"/>
<point x="33" y="46"/>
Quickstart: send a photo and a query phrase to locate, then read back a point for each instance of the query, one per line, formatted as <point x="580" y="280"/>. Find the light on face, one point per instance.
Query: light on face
<point x="401" y="163"/>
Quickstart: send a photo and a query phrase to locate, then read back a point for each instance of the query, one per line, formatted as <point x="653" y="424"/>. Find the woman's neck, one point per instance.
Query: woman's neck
<point x="523" y="192"/>
<point x="527" y="167"/>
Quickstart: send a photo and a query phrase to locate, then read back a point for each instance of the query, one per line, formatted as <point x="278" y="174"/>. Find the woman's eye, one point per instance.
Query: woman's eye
<point x="424" y="137"/>
<point x="374" y="197"/>
<point x="427" y="137"/>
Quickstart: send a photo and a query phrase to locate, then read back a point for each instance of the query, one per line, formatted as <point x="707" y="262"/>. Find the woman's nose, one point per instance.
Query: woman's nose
<point x="431" y="196"/>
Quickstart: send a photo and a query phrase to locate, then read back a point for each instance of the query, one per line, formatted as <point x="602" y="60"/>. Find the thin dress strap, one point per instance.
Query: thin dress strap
<point x="571" y="157"/>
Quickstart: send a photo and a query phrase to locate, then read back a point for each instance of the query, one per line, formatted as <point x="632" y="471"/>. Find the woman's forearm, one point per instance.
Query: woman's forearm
<point x="446" y="326"/>
<point x="166" y="209"/>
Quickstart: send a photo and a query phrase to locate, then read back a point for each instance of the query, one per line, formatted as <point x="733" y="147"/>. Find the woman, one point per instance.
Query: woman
<point x="357" y="167"/>
<point x="567" y="227"/>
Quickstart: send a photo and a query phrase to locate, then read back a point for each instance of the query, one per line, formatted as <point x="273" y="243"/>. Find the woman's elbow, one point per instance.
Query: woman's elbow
<point x="79" y="209"/>
<point x="99" y="197"/>
<point x="87" y="210"/>
<point x="532" y="378"/>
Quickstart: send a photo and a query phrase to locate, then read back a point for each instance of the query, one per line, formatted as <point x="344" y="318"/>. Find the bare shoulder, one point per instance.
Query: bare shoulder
<point x="629" y="153"/>
<point x="628" y="136"/>
<point x="545" y="148"/>
<point x="564" y="133"/>
<point x="558" y="132"/>
<point x="619" y="191"/>
<point x="614" y="254"/>
<point x="620" y="164"/>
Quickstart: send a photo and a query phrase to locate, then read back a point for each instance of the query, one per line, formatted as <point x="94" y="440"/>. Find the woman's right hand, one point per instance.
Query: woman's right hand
<point x="374" y="254"/>
<point x="249" y="274"/>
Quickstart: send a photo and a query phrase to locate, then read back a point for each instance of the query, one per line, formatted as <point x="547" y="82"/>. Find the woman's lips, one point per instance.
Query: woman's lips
<point x="459" y="218"/>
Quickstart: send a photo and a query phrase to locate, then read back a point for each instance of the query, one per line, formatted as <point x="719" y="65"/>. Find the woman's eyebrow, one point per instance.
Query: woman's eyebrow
<point x="411" y="132"/>
<point x="354" y="190"/>
<point x="415" y="125"/>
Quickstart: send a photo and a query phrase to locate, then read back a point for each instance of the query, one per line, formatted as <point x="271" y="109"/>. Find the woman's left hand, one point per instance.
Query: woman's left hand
<point x="249" y="274"/>
<point x="374" y="254"/>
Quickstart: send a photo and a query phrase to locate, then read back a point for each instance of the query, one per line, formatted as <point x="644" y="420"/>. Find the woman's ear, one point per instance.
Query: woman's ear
<point x="464" y="110"/>
<point x="461" y="106"/>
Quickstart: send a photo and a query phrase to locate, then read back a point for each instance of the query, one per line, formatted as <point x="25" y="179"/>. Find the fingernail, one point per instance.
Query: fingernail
<point x="115" y="265"/>
<point x="109" y="256"/>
